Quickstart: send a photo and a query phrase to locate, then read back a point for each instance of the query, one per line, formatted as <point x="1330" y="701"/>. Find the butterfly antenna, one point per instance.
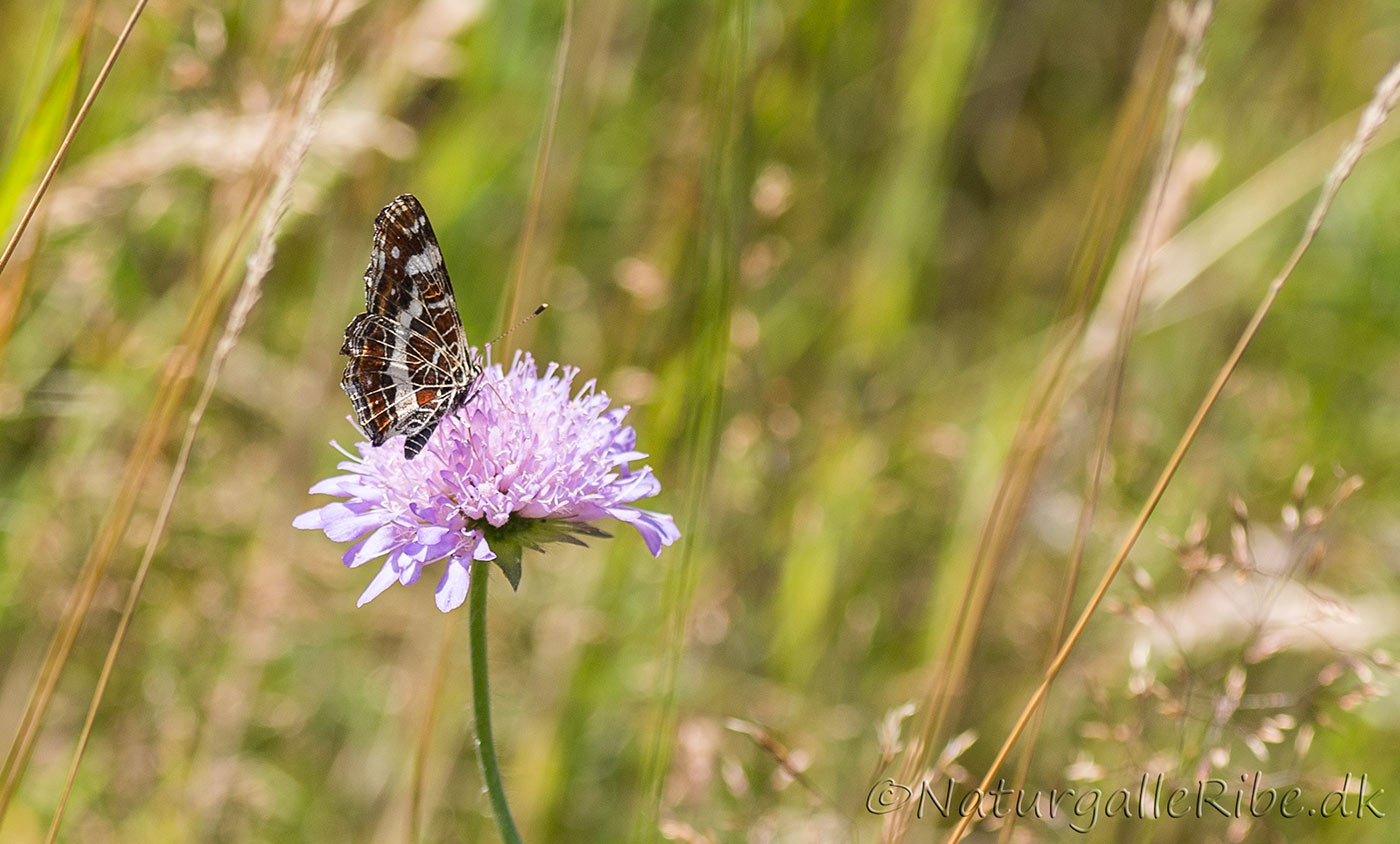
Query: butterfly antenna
<point x="502" y="336"/>
<point x="505" y="333"/>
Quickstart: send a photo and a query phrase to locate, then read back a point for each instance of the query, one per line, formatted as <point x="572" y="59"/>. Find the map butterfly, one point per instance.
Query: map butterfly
<point x="410" y="364"/>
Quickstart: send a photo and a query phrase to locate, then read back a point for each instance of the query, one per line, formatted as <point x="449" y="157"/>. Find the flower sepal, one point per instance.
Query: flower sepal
<point x="511" y="539"/>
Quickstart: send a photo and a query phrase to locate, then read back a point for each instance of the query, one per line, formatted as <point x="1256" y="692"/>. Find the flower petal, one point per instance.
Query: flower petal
<point x="339" y="521"/>
<point x="351" y="527"/>
<point x="310" y="520"/>
<point x="452" y="589"/>
<point x="381" y="581"/>
<point x="627" y="457"/>
<point x="381" y="542"/>
<point x="344" y="486"/>
<point x="657" y="529"/>
<point x="483" y="551"/>
<point x="412" y="570"/>
<point x="432" y="534"/>
<point x="640" y="484"/>
<point x="450" y="544"/>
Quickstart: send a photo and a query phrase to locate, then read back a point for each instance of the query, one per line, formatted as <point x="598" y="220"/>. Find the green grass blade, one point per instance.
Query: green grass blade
<point x="37" y="136"/>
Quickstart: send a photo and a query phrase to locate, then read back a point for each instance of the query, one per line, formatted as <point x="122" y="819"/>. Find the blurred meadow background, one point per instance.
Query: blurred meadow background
<point x="858" y="269"/>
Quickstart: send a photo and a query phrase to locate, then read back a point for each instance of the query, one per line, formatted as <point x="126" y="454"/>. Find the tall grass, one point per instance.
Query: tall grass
<point x="857" y="268"/>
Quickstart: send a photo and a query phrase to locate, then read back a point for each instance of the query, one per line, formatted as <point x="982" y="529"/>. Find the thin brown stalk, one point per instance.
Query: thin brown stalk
<point x="259" y="262"/>
<point x="1108" y="206"/>
<point x="1380" y="107"/>
<point x="1188" y="77"/>
<point x="175" y="377"/>
<point x="541" y="173"/>
<point x="68" y="141"/>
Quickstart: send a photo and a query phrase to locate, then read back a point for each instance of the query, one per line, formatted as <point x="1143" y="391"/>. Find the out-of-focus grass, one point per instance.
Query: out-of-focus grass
<point x="894" y="191"/>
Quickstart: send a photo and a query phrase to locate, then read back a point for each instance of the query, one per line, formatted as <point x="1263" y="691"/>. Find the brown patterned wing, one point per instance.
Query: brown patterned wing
<point x="408" y="357"/>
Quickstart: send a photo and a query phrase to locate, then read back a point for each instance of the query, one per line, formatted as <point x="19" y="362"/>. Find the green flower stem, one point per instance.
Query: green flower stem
<point x="481" y="700"/>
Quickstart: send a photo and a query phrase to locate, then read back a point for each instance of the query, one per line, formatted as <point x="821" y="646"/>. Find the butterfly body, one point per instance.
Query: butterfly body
<point x="410" y="364"/>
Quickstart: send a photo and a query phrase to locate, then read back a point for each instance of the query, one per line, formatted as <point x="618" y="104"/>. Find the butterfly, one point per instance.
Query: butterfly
<point x="410" y="364"/>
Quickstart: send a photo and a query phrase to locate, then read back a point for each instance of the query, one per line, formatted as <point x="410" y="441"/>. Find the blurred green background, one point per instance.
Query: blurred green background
<point x="821" y="250"/>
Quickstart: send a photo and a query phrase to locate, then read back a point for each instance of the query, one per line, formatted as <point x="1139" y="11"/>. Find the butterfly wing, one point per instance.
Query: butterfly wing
<point x="408" y="357"/>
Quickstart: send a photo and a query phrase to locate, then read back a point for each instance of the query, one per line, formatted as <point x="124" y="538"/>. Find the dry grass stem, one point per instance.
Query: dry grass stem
<point x="258" y="265"/>
<point x="175" y="376"/>
<point x="1188" y="77"/>
<point x="1384" y="101"/>
<point x="1049" y="386"/>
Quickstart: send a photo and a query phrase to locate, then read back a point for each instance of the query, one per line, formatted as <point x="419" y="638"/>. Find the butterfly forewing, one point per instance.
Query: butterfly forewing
<point x="409" y="362"/>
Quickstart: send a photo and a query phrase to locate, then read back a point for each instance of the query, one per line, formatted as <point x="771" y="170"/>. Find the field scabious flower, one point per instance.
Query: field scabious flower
<point x="525" y="462"/>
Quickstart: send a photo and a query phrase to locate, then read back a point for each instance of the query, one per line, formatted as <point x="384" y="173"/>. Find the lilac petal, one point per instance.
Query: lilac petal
<point x="452" y="589"/>
<point x="587" y="511"/>
<point x="483" y="551"/>
<point x="626" y="437"/>
<point x="343" y="521"/>
<point x="411" y="560"/>
<point x="657" y="529"/>
<point x="638" y="485"/>
<point x="353" y="551"/>
<point x="345" y="486"/>
<point x="449" y="545"/>
<point x="627" y="457"/>
<point x="375" y="545"/>
<point x="536" y="510"/>
<point x="432" y="534"/>
<point x="381" y="581"/>
<point x="310" y="520"/>
<point x="352" y="527"/>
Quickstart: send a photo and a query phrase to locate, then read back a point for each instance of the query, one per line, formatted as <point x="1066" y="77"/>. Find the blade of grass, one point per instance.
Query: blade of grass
<point x="1386" y="97"/>
<point x="1248" y="207"/>
<point x="941" y="46"/>
<point x="36" y="136"/>
<point x="67" y="141"/>
<point x="718" y="251"/>
<point x="45" y="43"/>
<point x="541" y="173"/>
<point x="43" y="128"/>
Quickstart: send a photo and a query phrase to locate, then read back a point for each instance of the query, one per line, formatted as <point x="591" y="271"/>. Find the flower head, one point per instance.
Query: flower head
<point x="524" y="462"/>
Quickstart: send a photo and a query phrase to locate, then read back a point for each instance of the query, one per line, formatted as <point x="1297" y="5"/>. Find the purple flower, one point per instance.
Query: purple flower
<point x="521" y="464"/>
